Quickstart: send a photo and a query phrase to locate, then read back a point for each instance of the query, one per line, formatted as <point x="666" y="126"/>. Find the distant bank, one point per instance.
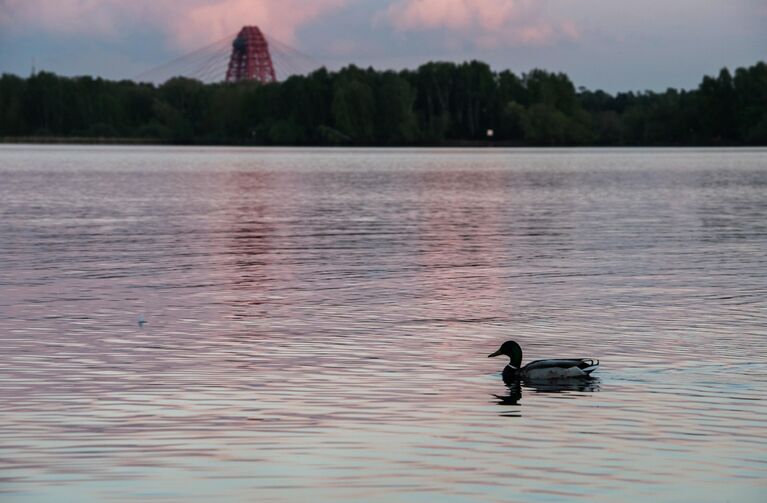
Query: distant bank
<point x="107" y="140"/>
<point x="81" y="140"/>
<point x="438" y="104"/>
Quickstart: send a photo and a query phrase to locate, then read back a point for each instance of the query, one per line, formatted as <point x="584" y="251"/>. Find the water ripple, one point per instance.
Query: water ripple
<point x="317" y="324"/>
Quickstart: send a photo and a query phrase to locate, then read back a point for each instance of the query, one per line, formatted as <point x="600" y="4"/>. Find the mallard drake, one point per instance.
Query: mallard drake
<point x="542" y="369"/>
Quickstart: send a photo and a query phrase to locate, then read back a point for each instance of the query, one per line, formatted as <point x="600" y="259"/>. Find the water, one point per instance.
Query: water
<point x="317" y="324"/>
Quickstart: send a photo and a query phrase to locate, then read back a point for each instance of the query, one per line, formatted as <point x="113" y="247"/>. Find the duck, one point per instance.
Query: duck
<point x="542" y="370"/>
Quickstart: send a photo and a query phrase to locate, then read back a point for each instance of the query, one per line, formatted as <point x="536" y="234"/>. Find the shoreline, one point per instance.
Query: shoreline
<point x="99" y="140"/>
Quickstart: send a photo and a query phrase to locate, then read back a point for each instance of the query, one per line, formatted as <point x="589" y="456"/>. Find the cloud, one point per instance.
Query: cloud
<point x="219" y="18"/>
<point x="487" y="23"/>
<point x="65" y="16"/>
<point x="186" y="23"/>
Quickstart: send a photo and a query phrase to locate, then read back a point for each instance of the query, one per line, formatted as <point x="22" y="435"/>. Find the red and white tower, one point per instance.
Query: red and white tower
<point x="250" y="59"/>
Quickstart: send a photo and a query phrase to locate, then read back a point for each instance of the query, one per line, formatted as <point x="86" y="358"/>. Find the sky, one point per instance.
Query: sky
<point x="615" y="45"/>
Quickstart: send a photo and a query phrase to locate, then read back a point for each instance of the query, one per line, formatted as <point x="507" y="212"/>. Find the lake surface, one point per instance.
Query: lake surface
<point x="318" y="321"/>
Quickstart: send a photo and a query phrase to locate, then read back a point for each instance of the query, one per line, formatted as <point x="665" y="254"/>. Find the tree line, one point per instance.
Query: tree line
<point x="439" y="103"/>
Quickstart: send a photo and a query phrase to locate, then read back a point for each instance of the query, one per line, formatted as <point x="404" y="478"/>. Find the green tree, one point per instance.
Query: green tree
<point x="12" y="116"/>
<point x="438" y="103"/>
<point x="396" y="122"/>
<point x="354" y="110"/>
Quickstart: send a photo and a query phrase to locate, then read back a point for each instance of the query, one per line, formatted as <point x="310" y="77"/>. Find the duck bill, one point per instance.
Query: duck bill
<point x="494" y="354"/>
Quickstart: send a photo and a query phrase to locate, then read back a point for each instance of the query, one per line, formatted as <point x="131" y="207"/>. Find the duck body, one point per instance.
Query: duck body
<point x="560" y="368"/>
<point x="552" y="369"/>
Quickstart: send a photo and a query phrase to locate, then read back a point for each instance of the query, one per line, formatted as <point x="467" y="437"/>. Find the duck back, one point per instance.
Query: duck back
<point x="559" y="368"/>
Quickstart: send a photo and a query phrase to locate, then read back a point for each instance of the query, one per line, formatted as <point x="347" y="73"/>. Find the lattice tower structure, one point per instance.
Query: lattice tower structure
<point x="250" y="58"/>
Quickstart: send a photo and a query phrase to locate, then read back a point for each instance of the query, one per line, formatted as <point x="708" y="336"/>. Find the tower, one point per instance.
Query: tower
<point x="250" y="59"/>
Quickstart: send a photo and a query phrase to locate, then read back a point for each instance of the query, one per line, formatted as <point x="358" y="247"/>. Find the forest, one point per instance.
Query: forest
<point x="439" y="103"/>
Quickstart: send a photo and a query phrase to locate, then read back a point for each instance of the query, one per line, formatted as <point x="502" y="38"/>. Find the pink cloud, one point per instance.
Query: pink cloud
<point x="219" y="18"/>
<point x="485" y="22"/>
<point x="188" y="23"/>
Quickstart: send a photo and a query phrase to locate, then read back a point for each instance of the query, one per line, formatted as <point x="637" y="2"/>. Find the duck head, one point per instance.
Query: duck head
<point x="512" y="350"/>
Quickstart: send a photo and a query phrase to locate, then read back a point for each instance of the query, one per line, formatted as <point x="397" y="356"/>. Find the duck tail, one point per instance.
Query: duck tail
<point x="591" y="366"/>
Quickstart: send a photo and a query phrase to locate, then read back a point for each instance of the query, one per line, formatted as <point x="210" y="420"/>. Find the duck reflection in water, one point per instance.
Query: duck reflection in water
<point x="516" y="386"/>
